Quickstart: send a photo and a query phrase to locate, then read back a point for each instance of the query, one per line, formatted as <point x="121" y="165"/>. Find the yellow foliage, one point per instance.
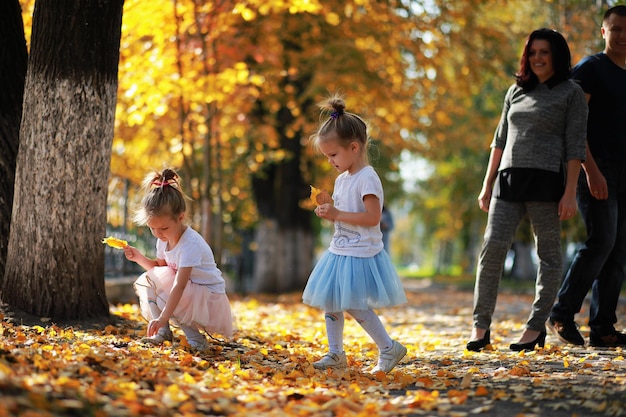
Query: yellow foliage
<point x="201" y="85"/>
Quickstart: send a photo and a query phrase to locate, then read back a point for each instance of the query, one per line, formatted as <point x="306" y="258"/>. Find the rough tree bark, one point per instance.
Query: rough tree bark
<point x="55" y="259"/>
<point x="13" y="58"/>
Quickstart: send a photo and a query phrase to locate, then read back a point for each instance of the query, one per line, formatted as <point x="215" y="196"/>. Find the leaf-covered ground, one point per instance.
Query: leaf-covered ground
<point x="265" y="370"/>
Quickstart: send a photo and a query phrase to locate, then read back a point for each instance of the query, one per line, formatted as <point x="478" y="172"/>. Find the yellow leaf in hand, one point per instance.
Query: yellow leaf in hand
<point x="115" y="243"/>
<point x="319" y="197"/>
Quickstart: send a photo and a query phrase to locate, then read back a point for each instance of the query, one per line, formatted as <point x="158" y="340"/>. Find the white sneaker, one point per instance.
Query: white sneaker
<point x="388" y="360"/>
<point x="332" y="360"/>
<point x="158" y="338"/>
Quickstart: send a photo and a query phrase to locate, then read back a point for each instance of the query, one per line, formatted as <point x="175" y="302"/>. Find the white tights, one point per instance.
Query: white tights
<point x="367" y="319"/>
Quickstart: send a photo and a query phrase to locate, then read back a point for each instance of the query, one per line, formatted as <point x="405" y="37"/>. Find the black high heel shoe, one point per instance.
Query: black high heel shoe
<point x="478" y="344"/>
<point x="539" y="340"/>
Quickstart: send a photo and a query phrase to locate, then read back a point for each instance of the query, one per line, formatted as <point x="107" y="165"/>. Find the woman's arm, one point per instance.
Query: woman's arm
<point x="484" y="198"/>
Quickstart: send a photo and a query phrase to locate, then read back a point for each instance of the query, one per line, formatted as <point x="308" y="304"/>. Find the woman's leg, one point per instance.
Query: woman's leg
<point x="502" y="222"/>
<point x="547" y="231"/>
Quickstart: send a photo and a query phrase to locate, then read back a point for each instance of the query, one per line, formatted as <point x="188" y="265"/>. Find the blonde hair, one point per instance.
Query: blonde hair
<point x="347" y="127"/>
<point x="163" y="197"/>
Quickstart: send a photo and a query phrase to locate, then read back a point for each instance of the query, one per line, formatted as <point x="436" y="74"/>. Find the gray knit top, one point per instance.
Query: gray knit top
<point x="542" y="128"/>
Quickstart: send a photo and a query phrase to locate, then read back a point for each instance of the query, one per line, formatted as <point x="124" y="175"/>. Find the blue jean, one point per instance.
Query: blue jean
<point x="600" y="263"/>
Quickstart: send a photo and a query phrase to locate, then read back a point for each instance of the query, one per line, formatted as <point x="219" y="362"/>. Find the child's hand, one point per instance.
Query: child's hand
<point x="131" y="253"/>
<point x="326" y="211"/>
<point x="154" y="326"/>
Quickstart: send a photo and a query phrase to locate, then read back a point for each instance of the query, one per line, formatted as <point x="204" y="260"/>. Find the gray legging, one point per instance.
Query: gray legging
<point x="504" y="218"/>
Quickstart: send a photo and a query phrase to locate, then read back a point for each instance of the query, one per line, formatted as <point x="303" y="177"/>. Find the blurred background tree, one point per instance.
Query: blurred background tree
<point x="226" y="92"/>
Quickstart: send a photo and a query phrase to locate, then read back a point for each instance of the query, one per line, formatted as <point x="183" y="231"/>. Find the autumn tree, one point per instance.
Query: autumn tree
<point x="13" y="57"/>
<point x="55" y="262"/>
<point x="478" y="46"/>
<point x="235" y="105"/>
<point x="227" y="91"/>
<point x="366" y="52"/>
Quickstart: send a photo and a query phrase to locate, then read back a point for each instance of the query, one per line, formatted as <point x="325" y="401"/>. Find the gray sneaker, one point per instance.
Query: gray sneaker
<point x="198" y="344"/>
<point x="388" y="360"/>
<point x="332" y="360"/>
<point x="158" y="338"/>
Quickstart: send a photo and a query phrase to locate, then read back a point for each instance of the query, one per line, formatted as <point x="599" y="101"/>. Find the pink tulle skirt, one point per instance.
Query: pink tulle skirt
<point x="198" y="306"/>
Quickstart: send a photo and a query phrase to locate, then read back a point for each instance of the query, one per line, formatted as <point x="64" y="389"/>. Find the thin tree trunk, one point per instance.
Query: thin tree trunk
<point x="13" y="58"/>
<point x="55" y="263"/>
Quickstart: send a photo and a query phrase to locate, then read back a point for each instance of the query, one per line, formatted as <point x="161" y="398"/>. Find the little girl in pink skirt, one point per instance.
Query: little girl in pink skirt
<point x="183" y="284"/>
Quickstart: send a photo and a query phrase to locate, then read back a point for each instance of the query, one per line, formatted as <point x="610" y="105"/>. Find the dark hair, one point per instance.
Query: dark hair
<point x="619" y="10"/>
<point x="163" y="196"/>
<point x="561" y="59"/>
<point x="348" y="127"/>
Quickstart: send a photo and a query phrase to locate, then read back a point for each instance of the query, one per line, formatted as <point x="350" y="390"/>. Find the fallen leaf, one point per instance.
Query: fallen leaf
<point x="319" y="197"/>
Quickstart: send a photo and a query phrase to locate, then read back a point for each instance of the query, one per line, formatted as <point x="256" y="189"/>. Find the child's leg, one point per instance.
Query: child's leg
<point x="336" y="357"/>
<point x="391" y="352"/>
<point x="155" y="311"/>
<point x="334" y="331"/>
<point x="164" y="333"/>
<point x="370" y="322"/>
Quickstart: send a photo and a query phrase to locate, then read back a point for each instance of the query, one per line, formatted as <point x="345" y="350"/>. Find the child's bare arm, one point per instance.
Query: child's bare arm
<point x="133" y="254"/>
<point x="368" y="218"/>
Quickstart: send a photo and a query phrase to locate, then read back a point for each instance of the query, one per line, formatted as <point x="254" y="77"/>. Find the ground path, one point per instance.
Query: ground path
<point x="102" y="369"/>
<point x="556" y="381"/>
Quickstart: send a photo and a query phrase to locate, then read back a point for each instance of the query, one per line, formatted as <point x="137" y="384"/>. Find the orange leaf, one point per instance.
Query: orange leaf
<point x="319" y="197"/>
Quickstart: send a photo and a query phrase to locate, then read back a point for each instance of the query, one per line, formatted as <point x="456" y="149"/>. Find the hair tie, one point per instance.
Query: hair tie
<point x="336" y="114"/>
<point x="158" y="183"/>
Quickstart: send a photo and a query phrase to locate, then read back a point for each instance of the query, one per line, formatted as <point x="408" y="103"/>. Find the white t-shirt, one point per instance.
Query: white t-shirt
<point x="193" y="251"/>
<point x="350" y="239"/>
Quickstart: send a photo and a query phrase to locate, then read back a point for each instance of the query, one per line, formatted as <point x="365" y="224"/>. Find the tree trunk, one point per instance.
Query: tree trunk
<point x="284" y="255"/>
<point x="55" y="263"/>
<point x="13" y="58"/>
<point x="283" y="259"/>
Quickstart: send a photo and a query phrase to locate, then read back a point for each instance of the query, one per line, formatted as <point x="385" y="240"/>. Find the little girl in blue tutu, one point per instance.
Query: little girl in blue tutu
<point x="355" y="274"/>
<point x="183" y="283"/>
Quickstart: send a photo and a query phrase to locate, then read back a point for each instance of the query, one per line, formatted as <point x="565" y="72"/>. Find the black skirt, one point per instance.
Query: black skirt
<point x="529" y="184"/>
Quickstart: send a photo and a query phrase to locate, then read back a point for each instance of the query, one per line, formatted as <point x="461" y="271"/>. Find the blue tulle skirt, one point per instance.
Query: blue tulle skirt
<point x="339" y="283"/>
